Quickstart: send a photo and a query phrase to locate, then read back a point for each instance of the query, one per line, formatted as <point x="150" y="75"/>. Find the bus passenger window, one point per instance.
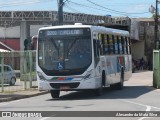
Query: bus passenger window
<point x="111" y="50"/>
<point x="96" y="48"/>
<point x="96" y="44"/>
<point x="122" y="41"/>
<point x="115" y="45"/>
<point x="120" y="45"/>
<point x="101" y="39"/>
<point x="126" y="45"/>
<point x="107" y="47"/>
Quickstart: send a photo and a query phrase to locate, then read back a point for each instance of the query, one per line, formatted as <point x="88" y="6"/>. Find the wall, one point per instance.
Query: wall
<point x="138" y="50"/>
<point x="134" y="31"/>
<point x="14" y="32"/>
<point x="11" y="32"/>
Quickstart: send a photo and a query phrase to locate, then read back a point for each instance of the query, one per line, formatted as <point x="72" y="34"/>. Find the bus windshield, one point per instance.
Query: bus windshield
<point x="64" y="55"/>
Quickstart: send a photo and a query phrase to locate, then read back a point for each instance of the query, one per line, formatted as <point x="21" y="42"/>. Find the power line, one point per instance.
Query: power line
<point x="124" y="13"/>
<point x="20" y="2"/>
<point x="85" y="6"/>
<point x="72" y="9"/>
<point x="82" y="5"/>
<point x="95" y="8"/>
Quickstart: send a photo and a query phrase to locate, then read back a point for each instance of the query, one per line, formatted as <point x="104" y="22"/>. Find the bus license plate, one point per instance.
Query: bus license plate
<point x="64" y="88"/>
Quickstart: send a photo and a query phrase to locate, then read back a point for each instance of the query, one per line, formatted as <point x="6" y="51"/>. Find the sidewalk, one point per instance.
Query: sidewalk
<point x="4" y="97"/>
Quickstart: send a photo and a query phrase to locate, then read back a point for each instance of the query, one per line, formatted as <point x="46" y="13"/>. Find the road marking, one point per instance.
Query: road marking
<point x="148" y="107"/>
<point x="144" y="118"/>
<point x="44" y="118"/>
<point x="141" y="104"/>
<point x="7" y="103"/>
<point x="47" y="117"/>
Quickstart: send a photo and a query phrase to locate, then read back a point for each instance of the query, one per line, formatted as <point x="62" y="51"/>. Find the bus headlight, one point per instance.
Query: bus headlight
<point x="89" y="74"/>
<point x="41" y="76"/>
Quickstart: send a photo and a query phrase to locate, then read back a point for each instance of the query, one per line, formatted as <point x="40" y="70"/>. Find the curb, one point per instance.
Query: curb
<point x="23" y="96"/>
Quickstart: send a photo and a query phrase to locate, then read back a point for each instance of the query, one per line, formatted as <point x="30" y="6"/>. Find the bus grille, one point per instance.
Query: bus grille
<point x="70" y="85"/>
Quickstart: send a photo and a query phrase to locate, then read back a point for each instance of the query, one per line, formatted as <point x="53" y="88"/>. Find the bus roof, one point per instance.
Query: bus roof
<point x="92" y="27"/>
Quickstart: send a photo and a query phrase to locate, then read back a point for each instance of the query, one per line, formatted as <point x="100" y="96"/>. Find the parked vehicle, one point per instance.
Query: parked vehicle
<point x="9" y="75"/>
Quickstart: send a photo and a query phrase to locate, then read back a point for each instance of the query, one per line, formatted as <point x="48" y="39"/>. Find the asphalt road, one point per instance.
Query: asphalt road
<point x="137" y="95"/>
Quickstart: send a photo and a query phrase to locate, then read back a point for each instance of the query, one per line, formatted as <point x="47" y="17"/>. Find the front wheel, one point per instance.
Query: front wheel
<point x="12" y="81"/>
<point x="121" y="83"/>
<point x="55" y="93"/>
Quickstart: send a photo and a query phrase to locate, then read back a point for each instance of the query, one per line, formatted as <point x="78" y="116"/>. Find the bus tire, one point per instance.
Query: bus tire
<point x="121" y="83"/>
<point x="103" y="79"/>
<point x="113" y="87"/>
<point x="118" y="86"/>
<point x="55" y="93"/>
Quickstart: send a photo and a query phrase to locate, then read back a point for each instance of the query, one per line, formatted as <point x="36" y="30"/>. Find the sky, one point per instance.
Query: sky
<point x="115" y="8"/>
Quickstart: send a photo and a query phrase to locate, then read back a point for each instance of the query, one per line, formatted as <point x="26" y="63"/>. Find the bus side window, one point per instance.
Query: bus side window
<point x="123" y="43"/>
<point x="129" y="46"/>
<point x="101" y="38"/>
<point x="111" y="50"/>
<point x="115" y="45"/>
<point x="107" y="48"/>
<point x="113" y="42"/>
<point x="104" y="44"/>
<point x="126" y="45"/>
<point x="95" y="47"/>
<point x="119" y="45"/>
<point x="96" y="44"/>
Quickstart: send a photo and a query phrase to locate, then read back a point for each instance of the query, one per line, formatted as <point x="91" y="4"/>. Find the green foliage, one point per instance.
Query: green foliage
<point x="153" y="16"/>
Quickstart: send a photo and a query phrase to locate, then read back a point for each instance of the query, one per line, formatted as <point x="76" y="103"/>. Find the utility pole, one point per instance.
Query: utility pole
<point x="156" y="27"/>
<point x="60" y="12"/>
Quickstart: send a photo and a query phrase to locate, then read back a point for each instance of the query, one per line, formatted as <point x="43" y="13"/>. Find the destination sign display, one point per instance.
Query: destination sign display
<point x="64" y="32"/>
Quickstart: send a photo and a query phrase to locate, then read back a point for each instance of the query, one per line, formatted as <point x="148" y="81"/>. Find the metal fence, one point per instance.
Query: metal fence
<point x="19" y="66"/>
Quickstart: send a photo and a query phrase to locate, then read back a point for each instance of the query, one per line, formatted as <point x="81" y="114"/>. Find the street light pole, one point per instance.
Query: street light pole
<point x="156" y="27"/>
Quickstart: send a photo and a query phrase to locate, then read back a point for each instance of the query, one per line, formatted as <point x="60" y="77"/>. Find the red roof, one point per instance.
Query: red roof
<point x="11" y="43"/>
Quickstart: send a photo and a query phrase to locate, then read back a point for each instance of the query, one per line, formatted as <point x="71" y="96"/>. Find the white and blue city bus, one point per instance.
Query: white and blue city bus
<point x="82" y="57"/>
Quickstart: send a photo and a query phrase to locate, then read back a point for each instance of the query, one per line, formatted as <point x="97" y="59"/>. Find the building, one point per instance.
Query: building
<point x="10" y="36"/>
<point x="24" y="24"/>
<point x="142" y="37"/>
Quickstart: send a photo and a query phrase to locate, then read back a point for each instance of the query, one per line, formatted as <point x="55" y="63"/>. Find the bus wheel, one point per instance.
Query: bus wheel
<point x="103" y="79"/>
<point x="113" y="86"/>
<point x="55" y="93"/>
<point x="120" y="84"/>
